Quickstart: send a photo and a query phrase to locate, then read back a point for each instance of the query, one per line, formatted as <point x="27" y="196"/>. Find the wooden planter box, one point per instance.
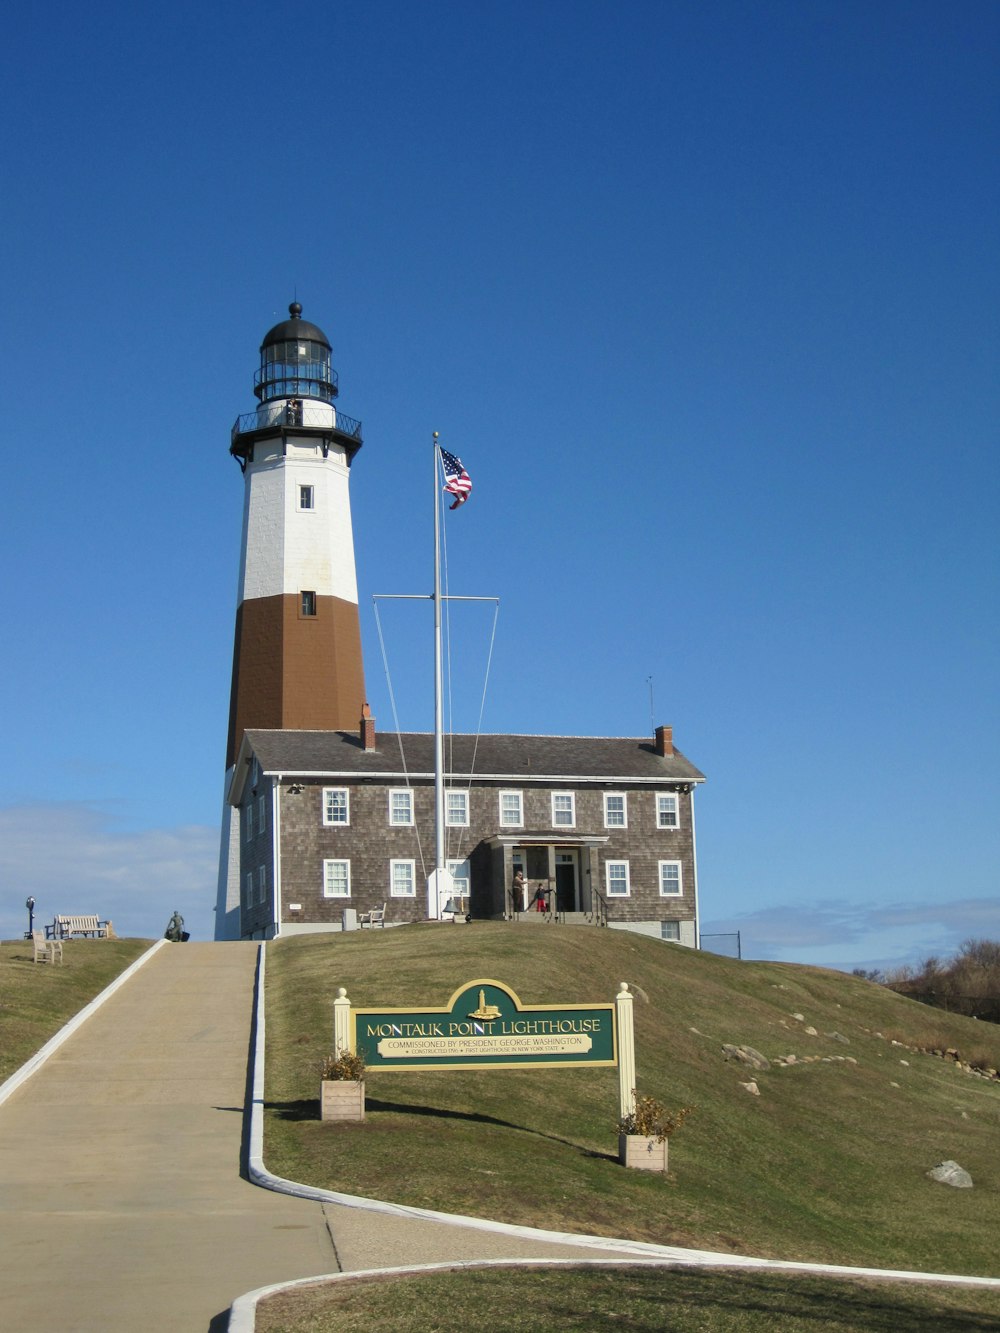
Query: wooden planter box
<point x="642" y="1152"/>
<point x="342" y="1100"/>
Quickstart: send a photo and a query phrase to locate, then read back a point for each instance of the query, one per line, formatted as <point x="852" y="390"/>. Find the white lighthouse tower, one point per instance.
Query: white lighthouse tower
<point x="297" y="655"/>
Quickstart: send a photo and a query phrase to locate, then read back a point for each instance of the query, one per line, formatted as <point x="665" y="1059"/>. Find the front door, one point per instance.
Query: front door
<point x="566" y="882"/>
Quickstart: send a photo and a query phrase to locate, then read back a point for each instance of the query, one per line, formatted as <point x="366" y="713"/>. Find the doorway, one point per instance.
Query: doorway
<point x="567" y="882"/>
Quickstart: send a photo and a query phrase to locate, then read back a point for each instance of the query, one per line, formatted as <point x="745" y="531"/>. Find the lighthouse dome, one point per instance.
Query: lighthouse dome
<point x="293" y="329"/>
<point x="295" y="361"/>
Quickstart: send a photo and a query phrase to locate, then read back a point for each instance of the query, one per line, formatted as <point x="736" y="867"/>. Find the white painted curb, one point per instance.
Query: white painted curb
<point x="243" y="1311"/>
<point x="31" y="1066"/>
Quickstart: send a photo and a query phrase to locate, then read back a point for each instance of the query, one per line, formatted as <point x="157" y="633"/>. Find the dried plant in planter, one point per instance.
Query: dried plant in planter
<point x="652" y="1120"/>
<point x="347" y="1067"/>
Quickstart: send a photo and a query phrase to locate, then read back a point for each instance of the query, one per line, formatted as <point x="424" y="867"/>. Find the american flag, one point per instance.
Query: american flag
<point x="457" y="481"/>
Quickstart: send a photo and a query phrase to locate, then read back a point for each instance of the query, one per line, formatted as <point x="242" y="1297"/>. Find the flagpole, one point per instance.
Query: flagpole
<point x="434" y="897"/>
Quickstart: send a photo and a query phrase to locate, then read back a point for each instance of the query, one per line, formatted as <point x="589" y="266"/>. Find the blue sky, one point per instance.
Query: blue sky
<point x="704" y="294"/>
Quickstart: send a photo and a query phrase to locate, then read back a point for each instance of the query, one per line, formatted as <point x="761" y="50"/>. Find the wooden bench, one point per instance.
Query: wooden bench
<point x="66" y="927"/>
<point x="376" y="917"/>
<point x="46" y="950"/>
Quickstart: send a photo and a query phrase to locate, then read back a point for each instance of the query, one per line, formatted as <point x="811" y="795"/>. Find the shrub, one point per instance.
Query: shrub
<point x="346" y="1067"/>
<point x="651" y="1119"/>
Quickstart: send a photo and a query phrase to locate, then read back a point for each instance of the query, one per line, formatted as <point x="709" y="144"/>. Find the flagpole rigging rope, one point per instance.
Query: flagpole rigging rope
<point x="486" y="679"/>
<point x="399" y="734"/>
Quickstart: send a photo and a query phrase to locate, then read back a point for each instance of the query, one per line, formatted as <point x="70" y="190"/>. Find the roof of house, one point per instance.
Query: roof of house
<point x="330" y="754"/>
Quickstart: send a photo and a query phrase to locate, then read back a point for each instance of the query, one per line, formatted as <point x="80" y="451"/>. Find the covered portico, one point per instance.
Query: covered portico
<point x="564" y="866"/>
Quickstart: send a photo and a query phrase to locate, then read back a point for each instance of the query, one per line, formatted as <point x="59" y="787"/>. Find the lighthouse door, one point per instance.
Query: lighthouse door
<point x="566" y="882"/>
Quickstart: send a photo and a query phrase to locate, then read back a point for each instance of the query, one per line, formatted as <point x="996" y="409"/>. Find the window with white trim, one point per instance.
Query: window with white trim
<point x="670" y="930"/>
<point x="261" y="813"/>
<point x="615" y="810"/>
<point x="456" y="809"/>
<point x="307" y="497"/>
<point x="563" y="809"/>
<point x="401" y="806"/>
<point x="337" y="878"/>
<point x="511" y="809"/>
<point x="670" y="879"/>
<point x="667" y="810"/>
<point x="307" y="603"/>
<point x="616" y="878"/>
<point x="248" y="820"/>
<point x="262" y="884"/>
<point x="402" y="879"/>
<point x="460" y="874"/>
<point x="336" y="805"/>
<point x="249" y="889"/>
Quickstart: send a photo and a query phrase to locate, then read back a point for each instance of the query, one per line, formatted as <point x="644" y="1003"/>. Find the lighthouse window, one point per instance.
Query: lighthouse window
<point x="306" y="497"/>
<point x="617" y="880"/>
<point x="403" y="879"/>
<point x="401" y="806"/>
<point x="670" y="879"/>
<point x="457" y="809"/>
<point x="308" y="603"/>
<point x="336" y="879"/>
<point x="563" y="809"/>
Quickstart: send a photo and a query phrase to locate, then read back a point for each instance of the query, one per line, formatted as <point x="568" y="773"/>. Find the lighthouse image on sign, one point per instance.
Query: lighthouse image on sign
<point x="297" y="661"/>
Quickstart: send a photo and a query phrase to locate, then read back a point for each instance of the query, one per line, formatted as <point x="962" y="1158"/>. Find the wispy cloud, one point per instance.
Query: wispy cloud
<point x="844" y="934"/>
<point x="76" y="858"/>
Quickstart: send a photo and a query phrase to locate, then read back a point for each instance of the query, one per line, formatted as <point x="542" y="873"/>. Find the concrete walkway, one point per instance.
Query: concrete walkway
<point x="122" y="1206"/>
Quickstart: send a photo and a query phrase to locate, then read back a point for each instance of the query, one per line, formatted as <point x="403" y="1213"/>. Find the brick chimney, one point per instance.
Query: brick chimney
<point x="367" y="728"/>
<point x="664" y="737"/>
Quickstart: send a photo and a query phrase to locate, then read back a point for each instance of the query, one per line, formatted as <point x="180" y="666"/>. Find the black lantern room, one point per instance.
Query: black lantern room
<point x="295" y="361"/>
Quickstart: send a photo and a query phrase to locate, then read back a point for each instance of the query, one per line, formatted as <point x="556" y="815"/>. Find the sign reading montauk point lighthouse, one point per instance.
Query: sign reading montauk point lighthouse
<point x="484" y="1025"/>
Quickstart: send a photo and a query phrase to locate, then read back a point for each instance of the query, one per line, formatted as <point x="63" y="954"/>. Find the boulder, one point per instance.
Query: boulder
<point x="746" y="1055"/>
<point x="950" y="1173"/>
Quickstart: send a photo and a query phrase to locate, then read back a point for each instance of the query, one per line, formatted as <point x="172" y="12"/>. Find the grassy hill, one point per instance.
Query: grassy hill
<point x="827" y="1164"/>
<point x="37" y="999"/>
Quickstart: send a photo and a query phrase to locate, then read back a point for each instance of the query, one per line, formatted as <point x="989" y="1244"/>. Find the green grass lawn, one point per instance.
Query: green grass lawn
<point x="644" y="1300"/>
<point x="827" y="1164"/>
<point x="36" y="999"/>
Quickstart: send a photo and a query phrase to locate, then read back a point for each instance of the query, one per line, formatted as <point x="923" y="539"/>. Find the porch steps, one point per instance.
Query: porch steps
<point x="548" y="919"/>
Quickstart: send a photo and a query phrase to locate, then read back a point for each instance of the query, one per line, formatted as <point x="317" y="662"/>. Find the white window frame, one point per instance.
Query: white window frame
<point x="310" y="507"/>
<point x="336" y="823"/>
<point x="564" y="823"/>
<point x="670" y="938"/>
<point x="661" y="815"/>
<point x="626" y="892"/>
<point x="261" y="813"/>
<point x="462" y="875"/>
<point x="512" y="795"/>
<point x="249" y="889"/>
<point x="395" y="891"/>
<point x="458" y="820"/>
<point x="327" y="887"/>
<point x="664" y="879"/>
<point x="616" y="796"/>
<point x="407" y="794"/>
<point x="248" y="820"/>
<point x="262" y="884"/>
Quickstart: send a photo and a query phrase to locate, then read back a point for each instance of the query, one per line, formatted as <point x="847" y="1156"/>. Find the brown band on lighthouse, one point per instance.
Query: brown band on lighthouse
<point x="294" y="671"/>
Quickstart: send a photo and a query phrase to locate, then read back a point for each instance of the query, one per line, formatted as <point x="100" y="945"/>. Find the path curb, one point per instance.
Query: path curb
<point x="19" y="1076"/>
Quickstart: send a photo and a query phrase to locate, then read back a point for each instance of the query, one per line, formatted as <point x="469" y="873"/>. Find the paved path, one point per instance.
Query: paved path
<point x="122" y="1207"/>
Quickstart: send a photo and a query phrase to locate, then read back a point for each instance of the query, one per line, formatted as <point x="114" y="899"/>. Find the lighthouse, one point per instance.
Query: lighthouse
<point x="297" y="661"/>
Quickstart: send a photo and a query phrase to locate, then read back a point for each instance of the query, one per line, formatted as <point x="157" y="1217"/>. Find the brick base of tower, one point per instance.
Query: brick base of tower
<point x="295" y="672"/>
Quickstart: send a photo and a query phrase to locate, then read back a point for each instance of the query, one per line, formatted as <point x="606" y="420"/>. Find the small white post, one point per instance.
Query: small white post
<point x="341" y="1023"/>
<point x="626" y="1050"/>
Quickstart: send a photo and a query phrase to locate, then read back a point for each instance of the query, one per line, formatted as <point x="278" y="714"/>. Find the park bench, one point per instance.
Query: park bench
<point x="66" y="927"/>
<point x="376" y="917"/>
<point x="46" y="950"/>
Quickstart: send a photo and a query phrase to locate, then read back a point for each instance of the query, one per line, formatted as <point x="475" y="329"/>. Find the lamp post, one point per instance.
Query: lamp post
<point x="30" y="905"/>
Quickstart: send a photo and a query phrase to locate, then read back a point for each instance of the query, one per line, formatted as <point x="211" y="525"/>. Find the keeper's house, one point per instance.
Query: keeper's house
<point x="333" y="824"/>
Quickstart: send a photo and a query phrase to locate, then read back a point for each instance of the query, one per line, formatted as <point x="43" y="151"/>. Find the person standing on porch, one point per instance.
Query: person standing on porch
<point x="520" y="891"/>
